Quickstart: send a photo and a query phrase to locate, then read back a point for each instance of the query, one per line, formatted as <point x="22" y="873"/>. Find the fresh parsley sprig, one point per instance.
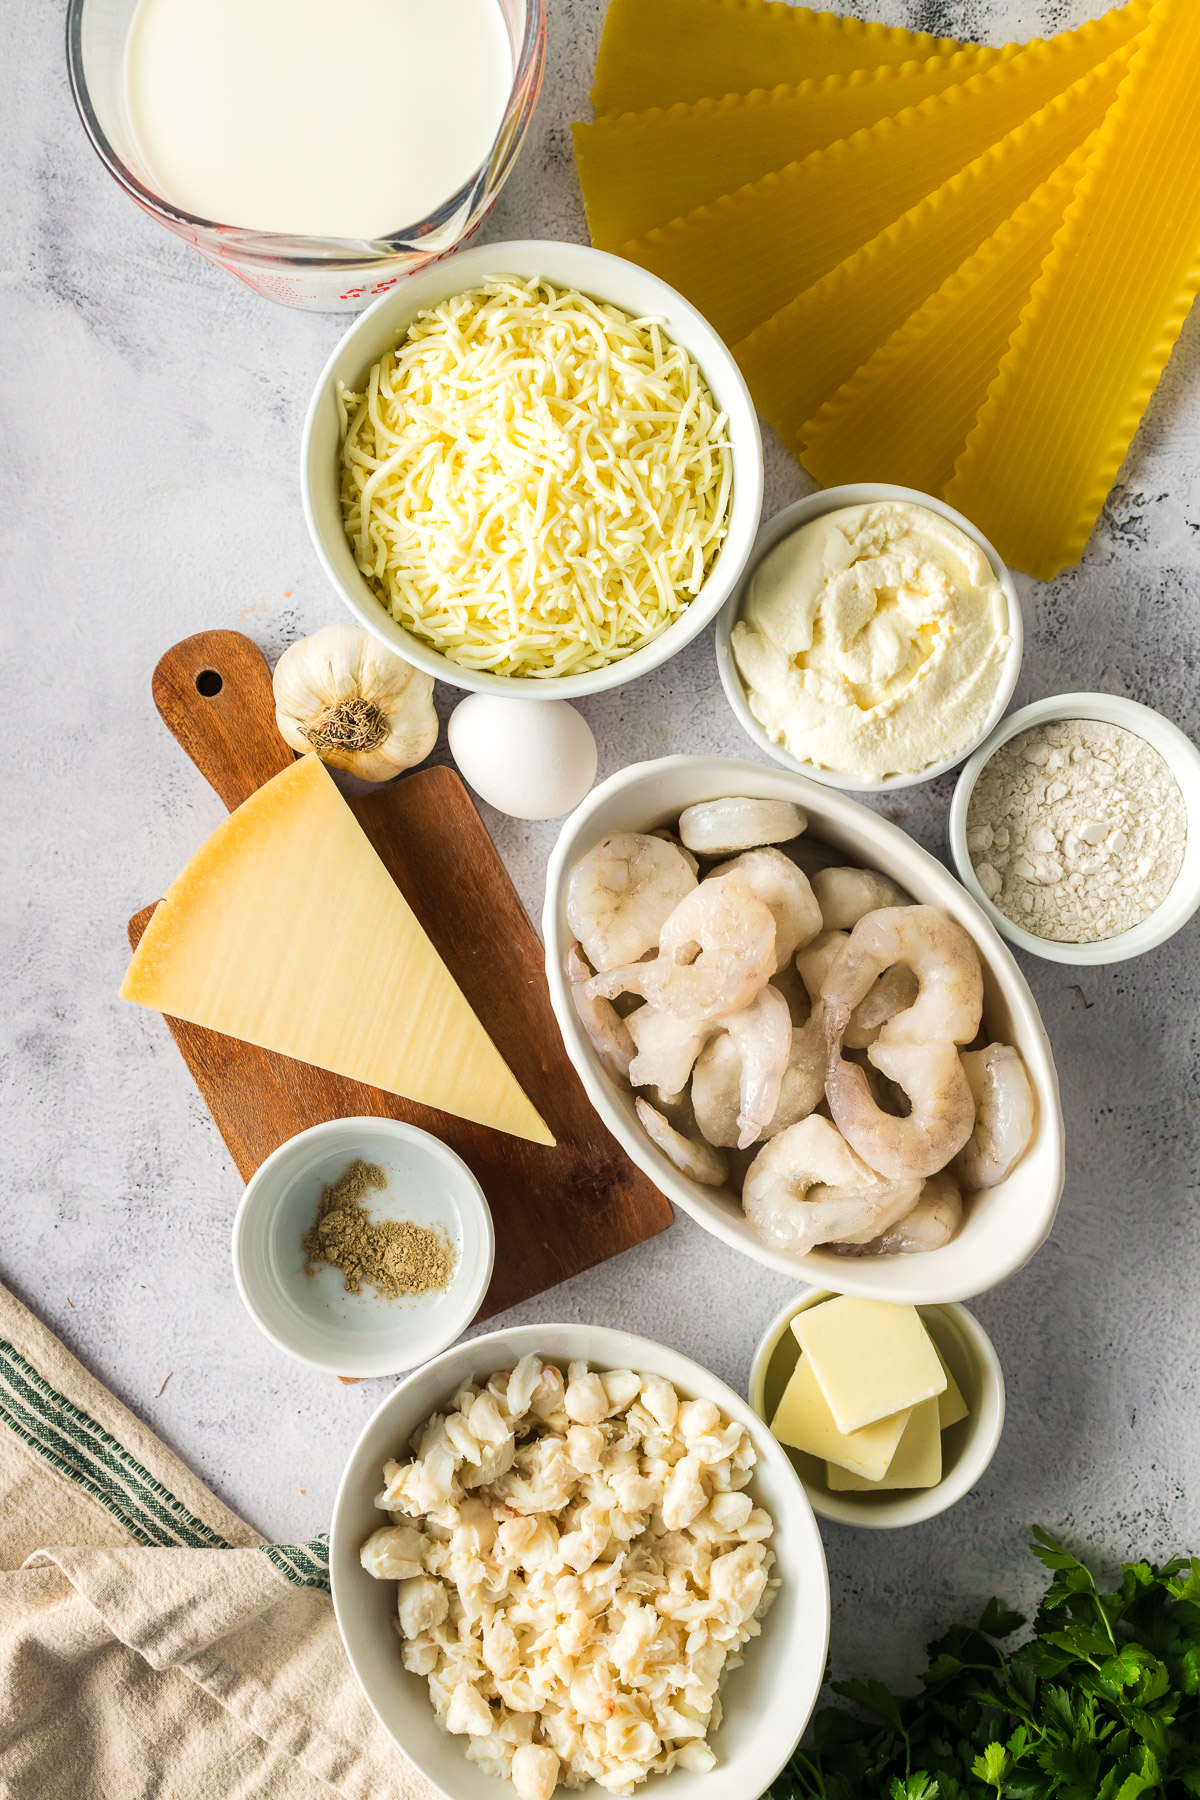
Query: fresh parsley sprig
<point x="1100" y="1703"/>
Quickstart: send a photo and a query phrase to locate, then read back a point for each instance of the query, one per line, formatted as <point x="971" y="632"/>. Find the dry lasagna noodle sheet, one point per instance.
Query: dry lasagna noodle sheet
<point x="905" y="415"/>
<point x="640" y="170"/>
<point x="796" y="360"/>
<point x="659" y="52"/>
<point x="1102" y="318"/>
<point x="744" y="257"/>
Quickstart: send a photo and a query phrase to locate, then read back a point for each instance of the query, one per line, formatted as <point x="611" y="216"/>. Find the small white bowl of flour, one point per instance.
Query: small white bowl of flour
<point x="1076" y="826"/>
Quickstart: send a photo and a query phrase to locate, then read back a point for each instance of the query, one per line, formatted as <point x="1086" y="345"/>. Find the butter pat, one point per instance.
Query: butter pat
<point x="803" y="1420"/>
<point x="917" y="1462"/>
<point x="870" y="1359"/>
<point x="951" y="1405"/>
<point x="873" y="640"/>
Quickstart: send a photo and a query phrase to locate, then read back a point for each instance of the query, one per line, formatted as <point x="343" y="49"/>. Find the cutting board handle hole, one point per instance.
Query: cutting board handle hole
<point x="209" y="683"/>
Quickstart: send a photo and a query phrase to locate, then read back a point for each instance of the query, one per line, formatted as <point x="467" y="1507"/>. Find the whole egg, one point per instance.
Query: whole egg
<point x="532" y="759"/>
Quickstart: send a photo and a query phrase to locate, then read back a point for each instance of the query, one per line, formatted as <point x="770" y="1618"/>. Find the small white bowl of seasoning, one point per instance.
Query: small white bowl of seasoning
<point x="784" y="526"/>
<point x="439" y="1250"/>
<point x="975" y="1381"/>
<point x="1076" y="827"/>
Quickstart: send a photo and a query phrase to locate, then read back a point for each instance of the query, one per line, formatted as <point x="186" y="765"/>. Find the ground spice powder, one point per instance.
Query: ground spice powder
<point x="395" y="1256"/>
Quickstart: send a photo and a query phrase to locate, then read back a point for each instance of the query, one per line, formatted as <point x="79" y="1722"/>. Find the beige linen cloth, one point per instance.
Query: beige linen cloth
<point x="152" y="1646"/>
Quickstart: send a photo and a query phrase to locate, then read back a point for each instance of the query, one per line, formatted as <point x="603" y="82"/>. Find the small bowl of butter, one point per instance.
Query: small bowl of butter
<point x="889" y="1414"/>
<point x="874" y="639"/>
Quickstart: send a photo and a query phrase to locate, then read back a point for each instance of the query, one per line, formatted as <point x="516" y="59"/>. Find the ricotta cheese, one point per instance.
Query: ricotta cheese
<point x="873" y="640"/>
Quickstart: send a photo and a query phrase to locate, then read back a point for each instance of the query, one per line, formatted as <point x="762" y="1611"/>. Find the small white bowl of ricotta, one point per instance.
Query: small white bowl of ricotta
<point x="1080" y="815"/>
<point x="874" y="650"/>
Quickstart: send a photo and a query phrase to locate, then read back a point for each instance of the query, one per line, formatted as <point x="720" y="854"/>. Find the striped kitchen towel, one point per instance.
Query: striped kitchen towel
<point x="152" y="1646"/>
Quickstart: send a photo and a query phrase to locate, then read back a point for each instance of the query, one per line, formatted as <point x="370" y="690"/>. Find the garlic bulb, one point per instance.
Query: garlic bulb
<point x="359" y="706"/>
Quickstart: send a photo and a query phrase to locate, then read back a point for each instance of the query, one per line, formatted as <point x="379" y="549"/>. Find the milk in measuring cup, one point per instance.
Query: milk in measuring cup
<point x="316" y="118"/>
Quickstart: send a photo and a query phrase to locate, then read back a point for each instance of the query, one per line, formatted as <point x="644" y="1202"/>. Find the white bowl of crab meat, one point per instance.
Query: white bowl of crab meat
<point x="1001" y="1225"/>
<point x="765" y="1689"/>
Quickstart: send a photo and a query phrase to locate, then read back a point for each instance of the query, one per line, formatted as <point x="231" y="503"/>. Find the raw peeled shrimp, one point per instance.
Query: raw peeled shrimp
<point x="676" y="1109"/>
<point x="895" y="989"/>
<point x="716" y="951"/>
<point x="889" y="1217"/>
<point x="847" y="895"/>
<point x="668" y="837"/>
<point x="717" y="1092"/>
<point x="816" y="959"/>
<point x="949" y="1002"/>
<point x="790" y="985"/>
<point x="717" y="1085"/>
<point x="1004" y="1112"/>
<point x="928" y="1225"/>
<point x="606" y="1030"/>
<point x="803" y="1086"/>
<point x="762" y="1036"/>
<point x="888" y="1096"/>
<point x="721" y="827"/>
<point x="666" y="1047"/>
<point x="622" y="892"/>
<point x="785" y="891"/>
<point x="942" y="1116"/>
<point x="691" y="1156"/>
<point x="807" y="1187"/>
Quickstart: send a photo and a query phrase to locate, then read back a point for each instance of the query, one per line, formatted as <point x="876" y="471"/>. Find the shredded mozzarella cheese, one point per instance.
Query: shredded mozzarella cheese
<point x="534" y="483"/>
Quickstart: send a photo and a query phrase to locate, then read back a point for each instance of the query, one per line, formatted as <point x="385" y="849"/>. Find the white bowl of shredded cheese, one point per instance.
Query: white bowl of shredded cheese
<point x="552" y="485"/>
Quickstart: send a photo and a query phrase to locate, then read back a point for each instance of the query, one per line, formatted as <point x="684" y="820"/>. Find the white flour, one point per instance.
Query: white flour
<point x="1076" y="830"/>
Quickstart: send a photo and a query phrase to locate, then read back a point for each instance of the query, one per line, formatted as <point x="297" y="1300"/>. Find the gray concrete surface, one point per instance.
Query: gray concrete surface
<point x="152" y="413"/>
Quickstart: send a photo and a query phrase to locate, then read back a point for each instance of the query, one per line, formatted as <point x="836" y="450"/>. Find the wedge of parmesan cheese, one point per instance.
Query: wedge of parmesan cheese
<point x="285" y="929"/>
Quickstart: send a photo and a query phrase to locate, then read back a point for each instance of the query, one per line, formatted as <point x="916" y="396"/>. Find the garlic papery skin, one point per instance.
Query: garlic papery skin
<point x="358" y="705"/>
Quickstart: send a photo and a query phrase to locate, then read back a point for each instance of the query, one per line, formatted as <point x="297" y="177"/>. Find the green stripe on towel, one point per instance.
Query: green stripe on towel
<point x="83" y="1451"/>
<point x="305" y="1565"/>
<point x="80" y="1449"/>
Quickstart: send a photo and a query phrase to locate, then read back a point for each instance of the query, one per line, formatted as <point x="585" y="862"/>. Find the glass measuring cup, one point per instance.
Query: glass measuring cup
<point x="318" y="274"/>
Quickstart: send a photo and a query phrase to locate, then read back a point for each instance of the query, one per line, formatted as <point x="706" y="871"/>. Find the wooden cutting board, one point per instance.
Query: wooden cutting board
<point x="556" y="1211"/>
